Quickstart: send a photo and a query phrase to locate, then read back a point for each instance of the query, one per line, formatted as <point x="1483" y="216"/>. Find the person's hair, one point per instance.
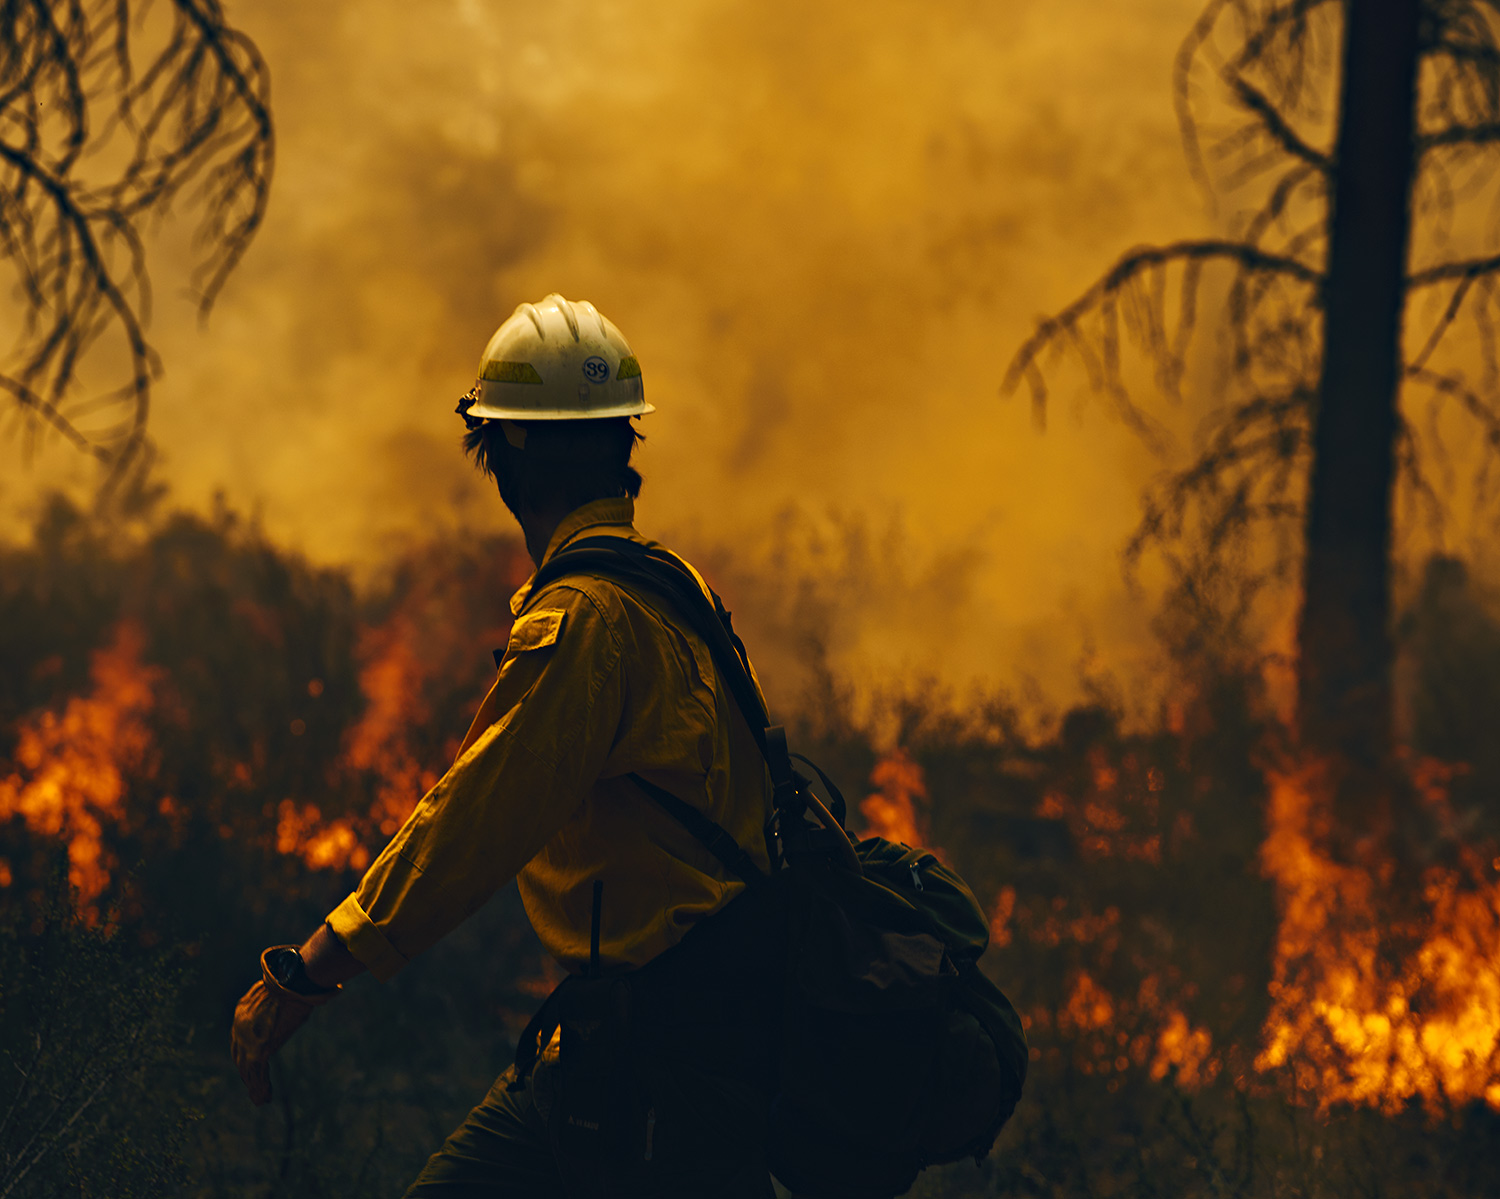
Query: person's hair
<point x="564" y="465"/>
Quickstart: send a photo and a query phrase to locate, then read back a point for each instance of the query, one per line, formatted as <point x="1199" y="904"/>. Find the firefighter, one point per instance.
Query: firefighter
<point x="595" y="684"/>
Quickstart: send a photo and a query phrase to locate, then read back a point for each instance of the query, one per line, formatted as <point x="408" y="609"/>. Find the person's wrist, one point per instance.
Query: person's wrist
<point x="288" y="968"/>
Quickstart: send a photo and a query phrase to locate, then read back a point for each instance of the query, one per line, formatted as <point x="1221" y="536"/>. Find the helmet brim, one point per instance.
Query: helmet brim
<point x="491" y="412"/>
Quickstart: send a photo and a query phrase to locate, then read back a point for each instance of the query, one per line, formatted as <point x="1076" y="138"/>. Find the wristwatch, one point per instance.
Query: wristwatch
<point x="291" y="972"/>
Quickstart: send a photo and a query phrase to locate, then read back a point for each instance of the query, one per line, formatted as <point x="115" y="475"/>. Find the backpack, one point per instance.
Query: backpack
<point x="895" y="1051"/>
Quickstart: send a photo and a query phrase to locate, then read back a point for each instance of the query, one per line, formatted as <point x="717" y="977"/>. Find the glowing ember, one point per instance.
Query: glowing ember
<point x="1089" y="1006"/>
<point x="73" y="767"/>
<point x="1107" y="1027"/>
<point x="891" y="812"/>
<point x="1186" y="1049"/>
<point x="1005" y="908"/>
<point x="1114" y="1034"/>
<point x="1364" y="1011"/>
<point x="1117" y="811"/>
<point x="332" y="846"/>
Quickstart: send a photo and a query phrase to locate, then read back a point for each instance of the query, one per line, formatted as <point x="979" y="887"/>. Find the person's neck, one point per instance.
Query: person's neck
<point x="538" y="529"/>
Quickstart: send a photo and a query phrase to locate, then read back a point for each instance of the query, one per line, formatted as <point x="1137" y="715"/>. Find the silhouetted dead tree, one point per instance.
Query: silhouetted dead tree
<point x="1325" y="118"/>
<point x="109" y="112"/>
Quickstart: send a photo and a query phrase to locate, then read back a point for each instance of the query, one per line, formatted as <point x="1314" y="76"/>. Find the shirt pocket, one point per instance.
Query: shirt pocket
<point x="535" y="630"/>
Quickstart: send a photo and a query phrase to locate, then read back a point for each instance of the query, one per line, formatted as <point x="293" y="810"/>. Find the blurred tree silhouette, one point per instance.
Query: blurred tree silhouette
<point x="1332" y="119"/>
<point x="97" y="139"/>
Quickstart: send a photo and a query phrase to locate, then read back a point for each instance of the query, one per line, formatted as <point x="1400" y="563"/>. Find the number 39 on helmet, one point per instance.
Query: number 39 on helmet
<point x="558" y="360"/>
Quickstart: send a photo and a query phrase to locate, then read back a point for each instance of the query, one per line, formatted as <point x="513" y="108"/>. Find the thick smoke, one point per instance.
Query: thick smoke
<point x="824" y="229"/>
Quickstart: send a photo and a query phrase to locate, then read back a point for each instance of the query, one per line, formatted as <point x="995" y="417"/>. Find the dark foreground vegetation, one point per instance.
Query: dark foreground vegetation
<point x="203" y="738"/>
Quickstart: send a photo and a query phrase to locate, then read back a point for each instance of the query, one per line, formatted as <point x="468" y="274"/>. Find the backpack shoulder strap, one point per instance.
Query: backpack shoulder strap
<point x="664" y="575"/>
<point x="660" y="573"/>
<point x="709" y="833"/>
<point x="657" y="572"/>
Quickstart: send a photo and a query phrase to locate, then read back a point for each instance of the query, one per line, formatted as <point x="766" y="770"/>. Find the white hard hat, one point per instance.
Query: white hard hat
<point x="557" y="360"/>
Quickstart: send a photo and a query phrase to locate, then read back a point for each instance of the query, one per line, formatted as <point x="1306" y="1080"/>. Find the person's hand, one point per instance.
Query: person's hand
<point x="267" y="1016"/>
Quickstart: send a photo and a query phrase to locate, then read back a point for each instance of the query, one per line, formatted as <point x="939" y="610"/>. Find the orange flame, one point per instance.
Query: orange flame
<point x="392" y="679"/>
<point x="891" y="812"/>
<point x="1089" y="1005"/>
<point x="1118" y="1033"/>
<point x="331" y="846"/>
<point x="1118" y="812"/>
<point x="1186" y="1049"/>
<point x="1005" y="908"/>
<point x="1364" y="1012"/>
<point x="73" y="767"/>
<point x="70" y="781"/>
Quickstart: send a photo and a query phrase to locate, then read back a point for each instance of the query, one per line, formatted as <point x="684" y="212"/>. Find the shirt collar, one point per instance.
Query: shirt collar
<point x="596" y="513"/>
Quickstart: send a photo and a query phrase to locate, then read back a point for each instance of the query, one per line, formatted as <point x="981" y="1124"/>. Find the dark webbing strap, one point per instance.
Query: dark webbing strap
<point x="664" y="575"/>
<point x="836" y="797"/>
<point x="709" y="833"/>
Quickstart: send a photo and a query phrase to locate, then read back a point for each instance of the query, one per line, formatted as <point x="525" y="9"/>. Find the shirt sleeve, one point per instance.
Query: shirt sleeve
<point x="554" y="711"/>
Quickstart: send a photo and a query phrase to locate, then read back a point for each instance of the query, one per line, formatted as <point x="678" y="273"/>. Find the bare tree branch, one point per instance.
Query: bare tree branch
<point x="1459" y="135"/>
<point x="1276" y="205"/>
<point x="1452" y="387"/>
<point x="1277" y="126"/>
<point x="1281" y="26"/>
<point x="71" y="101"/>
<point x="1132" y="264"/>
<point x="1182" y="97"/>
<point x="1468" y="270"/>
<point x="1250" y="468"/>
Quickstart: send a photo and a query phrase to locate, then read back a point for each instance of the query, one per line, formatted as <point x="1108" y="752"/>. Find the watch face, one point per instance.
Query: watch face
<point x="285" y="965"/>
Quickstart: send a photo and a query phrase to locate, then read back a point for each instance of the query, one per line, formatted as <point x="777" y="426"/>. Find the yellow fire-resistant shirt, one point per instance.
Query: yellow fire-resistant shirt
<point x="594" y="685"/>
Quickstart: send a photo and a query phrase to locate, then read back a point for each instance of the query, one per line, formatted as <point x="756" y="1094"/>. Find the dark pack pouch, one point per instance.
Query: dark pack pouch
<point x="594" y="1098"/>
<point x="664" y="1073"/>
<point x="846" y="1119"/>
<point x="897" y="1052"/>
<point x="593" y="1106"/>
<point x="709" y="1029"/>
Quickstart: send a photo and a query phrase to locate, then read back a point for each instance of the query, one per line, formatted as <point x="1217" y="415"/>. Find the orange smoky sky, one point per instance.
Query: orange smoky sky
<point x="823" y="227"/>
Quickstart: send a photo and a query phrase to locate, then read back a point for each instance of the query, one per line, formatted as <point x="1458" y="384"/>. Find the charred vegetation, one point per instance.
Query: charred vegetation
<point x="216" y="735"/>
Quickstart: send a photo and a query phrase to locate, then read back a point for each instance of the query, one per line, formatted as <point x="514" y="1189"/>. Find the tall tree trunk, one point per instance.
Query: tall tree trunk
<point x="1344" y="636"/>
